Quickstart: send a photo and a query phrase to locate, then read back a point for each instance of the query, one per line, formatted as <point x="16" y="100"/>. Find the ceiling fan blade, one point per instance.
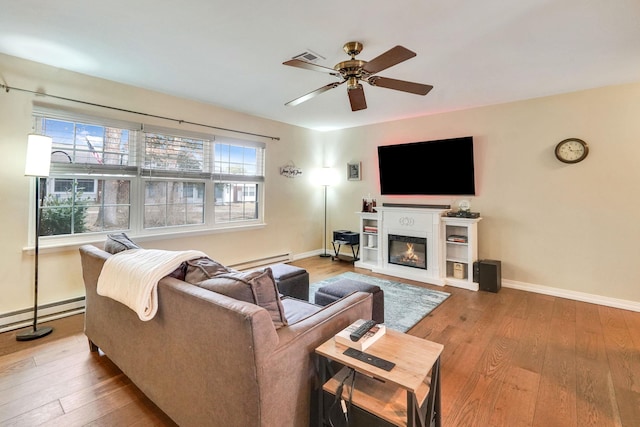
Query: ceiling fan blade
<point x="417" y="88"/>
<point x="316" y="92"/>
<point x="388" y="59"/>
<point x="357" y="99"/>
<point x="310" y="66"/>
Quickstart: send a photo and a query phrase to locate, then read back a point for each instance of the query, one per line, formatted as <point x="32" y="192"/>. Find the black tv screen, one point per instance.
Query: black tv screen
<point x="443" y="167"/>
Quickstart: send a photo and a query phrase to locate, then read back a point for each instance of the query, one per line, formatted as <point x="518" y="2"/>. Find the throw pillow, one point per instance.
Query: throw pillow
<point x="180" y="272"/>
<point x="119" y="242"/>
<point x="201" y="269"/>
<point x="256" y="287"/>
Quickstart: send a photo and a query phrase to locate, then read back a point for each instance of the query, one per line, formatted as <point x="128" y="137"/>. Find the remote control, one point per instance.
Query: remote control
<point x="370" y="359"/>
<point x="362" y="329"/>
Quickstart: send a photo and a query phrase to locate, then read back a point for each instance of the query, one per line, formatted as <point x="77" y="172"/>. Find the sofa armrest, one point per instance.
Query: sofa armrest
<point x="291" y="366"/>
<point x="337" y="315"/>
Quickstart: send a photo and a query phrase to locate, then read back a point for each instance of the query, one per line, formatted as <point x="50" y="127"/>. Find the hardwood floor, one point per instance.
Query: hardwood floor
<point x="511" y="359"/>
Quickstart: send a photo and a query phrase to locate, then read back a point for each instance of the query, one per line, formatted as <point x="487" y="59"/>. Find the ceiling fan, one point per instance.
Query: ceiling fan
<point x="354" y="71"/>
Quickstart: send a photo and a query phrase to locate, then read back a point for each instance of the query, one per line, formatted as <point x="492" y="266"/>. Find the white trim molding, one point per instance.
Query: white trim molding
<point x="573" y="295"/>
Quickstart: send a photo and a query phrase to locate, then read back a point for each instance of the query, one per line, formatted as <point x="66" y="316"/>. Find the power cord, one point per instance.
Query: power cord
<point x="353" y="385"/>
<point x="344" y="406"/>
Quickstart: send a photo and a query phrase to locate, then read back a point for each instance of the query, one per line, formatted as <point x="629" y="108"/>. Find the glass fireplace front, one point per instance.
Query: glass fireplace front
<point x="408" y="251"/>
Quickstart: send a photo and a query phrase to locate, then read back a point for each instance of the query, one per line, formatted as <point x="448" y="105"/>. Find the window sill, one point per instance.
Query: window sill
<point x="76" y="242"/>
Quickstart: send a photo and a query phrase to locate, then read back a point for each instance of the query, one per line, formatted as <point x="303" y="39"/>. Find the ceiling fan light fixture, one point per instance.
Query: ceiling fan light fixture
<point x="353" y="83"/>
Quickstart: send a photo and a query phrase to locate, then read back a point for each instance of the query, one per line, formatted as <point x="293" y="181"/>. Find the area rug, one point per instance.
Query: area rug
<point x="404" y="304"/>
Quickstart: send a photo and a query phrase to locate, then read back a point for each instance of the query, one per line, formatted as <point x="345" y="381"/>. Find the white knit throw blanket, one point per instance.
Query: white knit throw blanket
<point x="131" y="277"/>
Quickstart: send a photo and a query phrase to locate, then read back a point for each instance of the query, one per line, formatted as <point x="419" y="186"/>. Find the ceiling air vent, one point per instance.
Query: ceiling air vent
<point x="309" y="56"/>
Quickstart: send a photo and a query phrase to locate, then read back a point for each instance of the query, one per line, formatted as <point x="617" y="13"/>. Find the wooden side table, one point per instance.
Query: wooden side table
<point x="407" y="395"/>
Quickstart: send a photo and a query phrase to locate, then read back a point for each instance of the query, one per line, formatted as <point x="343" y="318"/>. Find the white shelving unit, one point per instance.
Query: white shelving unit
<point x="369" y="240"/>
<point x="461" y="250"/>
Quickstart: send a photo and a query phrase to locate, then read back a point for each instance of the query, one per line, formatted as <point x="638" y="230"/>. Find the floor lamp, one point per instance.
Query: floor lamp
<point x="37" y="165"/>
<point x="324" y="178"/>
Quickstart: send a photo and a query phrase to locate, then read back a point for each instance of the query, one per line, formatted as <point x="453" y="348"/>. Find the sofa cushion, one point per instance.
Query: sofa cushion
<point x="256" y="287"/>
<point x="297" y="310"/>
<point x="119" y="242"/>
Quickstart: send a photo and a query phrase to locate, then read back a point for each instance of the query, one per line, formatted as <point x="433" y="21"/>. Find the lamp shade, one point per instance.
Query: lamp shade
<point x="325" y="176"/>
<point x="38" y="155"/>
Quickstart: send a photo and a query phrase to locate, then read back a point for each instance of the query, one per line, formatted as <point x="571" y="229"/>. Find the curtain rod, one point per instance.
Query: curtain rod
<point x="7" y="88"/>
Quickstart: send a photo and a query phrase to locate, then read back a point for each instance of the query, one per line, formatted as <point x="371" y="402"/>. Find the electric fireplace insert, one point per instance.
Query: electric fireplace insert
<point x="408" y="251"/>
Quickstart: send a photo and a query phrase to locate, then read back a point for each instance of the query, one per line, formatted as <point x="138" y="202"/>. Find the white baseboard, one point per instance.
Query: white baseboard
<point x="573" y="295"/>
<point x="58" y="310"/>
<point x="317" y="252"/>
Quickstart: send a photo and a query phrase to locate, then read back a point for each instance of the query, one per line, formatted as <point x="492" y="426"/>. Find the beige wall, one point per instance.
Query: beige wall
<point x="572" y="227"/>
<point x="293" y="207"/>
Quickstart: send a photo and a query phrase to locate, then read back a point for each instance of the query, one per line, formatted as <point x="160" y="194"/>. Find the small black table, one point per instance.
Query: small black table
<point x="355" y="250"/>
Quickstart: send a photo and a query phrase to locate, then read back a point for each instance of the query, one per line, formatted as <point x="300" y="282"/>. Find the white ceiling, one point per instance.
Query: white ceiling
<point x="230" y="54"/>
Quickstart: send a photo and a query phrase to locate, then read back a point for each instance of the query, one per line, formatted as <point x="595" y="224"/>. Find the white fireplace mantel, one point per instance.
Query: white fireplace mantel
<point x="452" y="244"/>
<point x="414" y="222"/>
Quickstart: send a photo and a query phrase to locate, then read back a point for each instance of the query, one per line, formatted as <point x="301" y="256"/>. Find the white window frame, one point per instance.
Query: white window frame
<point x="138" y="176"/>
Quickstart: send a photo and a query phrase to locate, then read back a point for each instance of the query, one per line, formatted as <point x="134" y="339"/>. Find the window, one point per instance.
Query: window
<point x="237" y="169"/>
<point x="236" y="160"/>
<point x="109" y="176"/>
<point x="235" y="202"/>
<point x="96" y="202"/>
<point x="168" y="203"/>
<point x="76" y="211"/>
<point x="64" y="185"/>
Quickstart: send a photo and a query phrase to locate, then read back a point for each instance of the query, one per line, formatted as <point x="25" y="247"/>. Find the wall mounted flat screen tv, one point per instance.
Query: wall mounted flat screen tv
<point x="443" y="167"/>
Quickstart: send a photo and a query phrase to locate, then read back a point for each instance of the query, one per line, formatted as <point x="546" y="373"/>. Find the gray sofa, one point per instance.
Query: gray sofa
<point x="209" y="360"/>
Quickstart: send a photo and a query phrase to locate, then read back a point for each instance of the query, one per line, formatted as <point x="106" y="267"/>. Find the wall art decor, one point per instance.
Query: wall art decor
<point x="354" y="171"/>
<point x="290" y="170"/>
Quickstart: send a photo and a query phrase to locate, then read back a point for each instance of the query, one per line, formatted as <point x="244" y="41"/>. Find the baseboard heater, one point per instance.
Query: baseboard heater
<point x="246" y="265"/>
<point x="57" y="310"/>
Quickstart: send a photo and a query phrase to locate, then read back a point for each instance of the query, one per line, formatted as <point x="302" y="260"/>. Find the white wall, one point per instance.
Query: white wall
<point x="293" y="207"/>
<point x="572" y="227"/>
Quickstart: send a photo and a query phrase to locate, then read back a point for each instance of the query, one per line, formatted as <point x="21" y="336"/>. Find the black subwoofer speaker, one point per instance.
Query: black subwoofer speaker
<point x="487" y="273"/>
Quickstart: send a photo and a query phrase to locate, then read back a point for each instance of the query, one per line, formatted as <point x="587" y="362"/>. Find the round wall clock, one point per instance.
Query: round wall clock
<point x="572" y="150"/>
